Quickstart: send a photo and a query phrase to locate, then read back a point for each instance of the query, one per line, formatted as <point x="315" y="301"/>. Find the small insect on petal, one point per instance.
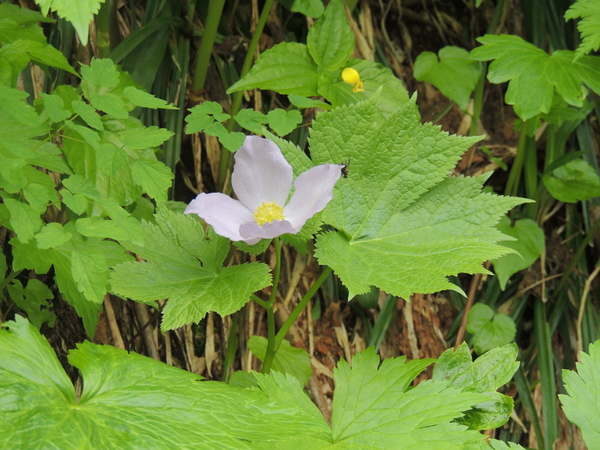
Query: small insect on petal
<point x="351" y="76"/>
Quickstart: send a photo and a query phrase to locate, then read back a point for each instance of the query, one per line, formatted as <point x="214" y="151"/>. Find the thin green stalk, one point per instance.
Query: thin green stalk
<point x="107" y="28"/>
<point x="260" y="301"/>
<point x="300" y="307"/>
<point x="512" y="184"/>
<point x="271" y="350"/>
<point x="208" y="39"/>
<point x="9" y="278"/>
<point x="478" y="100"/>
<point x="278" y="339"/>
<point x="237" y="97"/>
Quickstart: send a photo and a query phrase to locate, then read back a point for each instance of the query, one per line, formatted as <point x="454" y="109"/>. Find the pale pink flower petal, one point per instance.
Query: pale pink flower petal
<point x="314" y="189"/>
<point x="225" y="214"/>
<point x="252" y="232"/>
<point x="261" y="173"/>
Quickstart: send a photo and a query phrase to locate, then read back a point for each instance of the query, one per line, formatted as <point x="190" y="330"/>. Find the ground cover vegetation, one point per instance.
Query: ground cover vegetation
<point x="362" y="224"/>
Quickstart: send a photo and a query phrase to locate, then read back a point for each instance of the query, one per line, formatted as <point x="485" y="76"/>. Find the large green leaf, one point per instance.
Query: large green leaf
<point x="582" y="404"/>
<point x="184" y="265"/>
<point x="286" y="68"/>
<point x="130" y="401"/>
<point x="401" y="223"/>
<point x="573" y="182"/>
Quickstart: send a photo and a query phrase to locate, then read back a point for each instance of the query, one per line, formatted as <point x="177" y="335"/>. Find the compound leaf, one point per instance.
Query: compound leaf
<point x="588" y="26"/>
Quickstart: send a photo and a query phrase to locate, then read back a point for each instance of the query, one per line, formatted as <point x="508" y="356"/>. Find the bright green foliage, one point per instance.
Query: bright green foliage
<point x="302" y="102"/>
<point x="331" y="41"/>
<point x="373" y="407"/>
<point x="315" y="69"/>
<point x="402" y="224"/>
<point x="33" y="299"/>
<point x="573" y="182"/>
<point x="534" y="76"/>
<point x="453" y="73"/>
<point x="582" y="404"/>
<point x="529" y="243"/>
<point x="106" y="164"/>
<point x="207" y="117"/>
<point x="489" y="329"/>
<point x="588" y="26"/>
<point x="130" y="400"/>
<point x="288" y="359"/>
<point x="79" y="12"/>
<point x="284" y="122"/>
<point x="484" y="376"/>
<point x="287" y="68"/>
<point x="22" y="40"/>
<point x="184" y="264"/>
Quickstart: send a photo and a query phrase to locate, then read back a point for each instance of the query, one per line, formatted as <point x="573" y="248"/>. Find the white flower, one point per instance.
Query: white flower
<point x="262" y="180"/>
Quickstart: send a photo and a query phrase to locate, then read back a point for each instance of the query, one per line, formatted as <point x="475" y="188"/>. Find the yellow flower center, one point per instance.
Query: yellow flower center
<point x="351" y="76"/>
<point x="268" y="212"/>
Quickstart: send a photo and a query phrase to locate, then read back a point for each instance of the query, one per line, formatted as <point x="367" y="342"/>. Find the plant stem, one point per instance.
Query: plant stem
<point x="208" y="39"/>
<point x="271" y="350"/>
<point x="300" y="307"/>
<point x="9" y="278"/>
<point x="237" y="97"/>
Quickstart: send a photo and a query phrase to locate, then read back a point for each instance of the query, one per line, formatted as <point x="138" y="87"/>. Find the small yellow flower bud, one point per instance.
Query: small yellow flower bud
<point x="351" y="76"/>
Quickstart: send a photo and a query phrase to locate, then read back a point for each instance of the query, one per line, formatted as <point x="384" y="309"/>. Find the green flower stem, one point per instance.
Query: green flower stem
<point x="271" y="350"/>
<point x="300" y="307"/>
<point x="478" y="101"/>
<point x="512" y="185"/>
<point x="208" y="40"/>
<point x="259" y="301"/>
<point x="9" y="278"/>
<point x="237" y="97"/>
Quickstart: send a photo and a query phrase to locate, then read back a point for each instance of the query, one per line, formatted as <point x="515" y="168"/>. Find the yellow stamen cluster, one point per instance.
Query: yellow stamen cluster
<point x="268" y="212"/>
<point x="351" y="76"/>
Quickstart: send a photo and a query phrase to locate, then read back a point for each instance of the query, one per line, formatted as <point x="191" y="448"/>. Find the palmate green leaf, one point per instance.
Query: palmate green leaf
<point x="373" y="408"/>
<point x="24" y="219"/>
<point x="287" y="68"/>
<point x="40" y="52"/>
<point x="534" y="75"/>
<point x="331" y="40"/>
<point x="88" y="114"/>
<point x="454" y="74"/>
<point x="183" y="264"/>
<point x="589" y="25"/>
<point x="288" y="359"/>
<point x="251" y="120"/>
<point x="54" y="108"/>
<point x="131" y="401"/>
<point x="582" y="404"/>
<point x="402" y="224"/>
<point x="52" y="235"/>
<point x="529" y="244"/>
<point x="141" y="138"/>
<point x="80" y="13"/>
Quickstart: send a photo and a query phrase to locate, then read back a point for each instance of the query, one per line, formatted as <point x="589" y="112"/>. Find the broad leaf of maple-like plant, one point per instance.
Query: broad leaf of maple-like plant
<point x="534" y="76"/>
<point x="402" y="224"/>
<point x="185" y="266"/>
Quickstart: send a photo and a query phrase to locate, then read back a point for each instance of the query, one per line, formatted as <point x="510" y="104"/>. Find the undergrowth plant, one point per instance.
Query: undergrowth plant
<point x="85" y="202"/>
